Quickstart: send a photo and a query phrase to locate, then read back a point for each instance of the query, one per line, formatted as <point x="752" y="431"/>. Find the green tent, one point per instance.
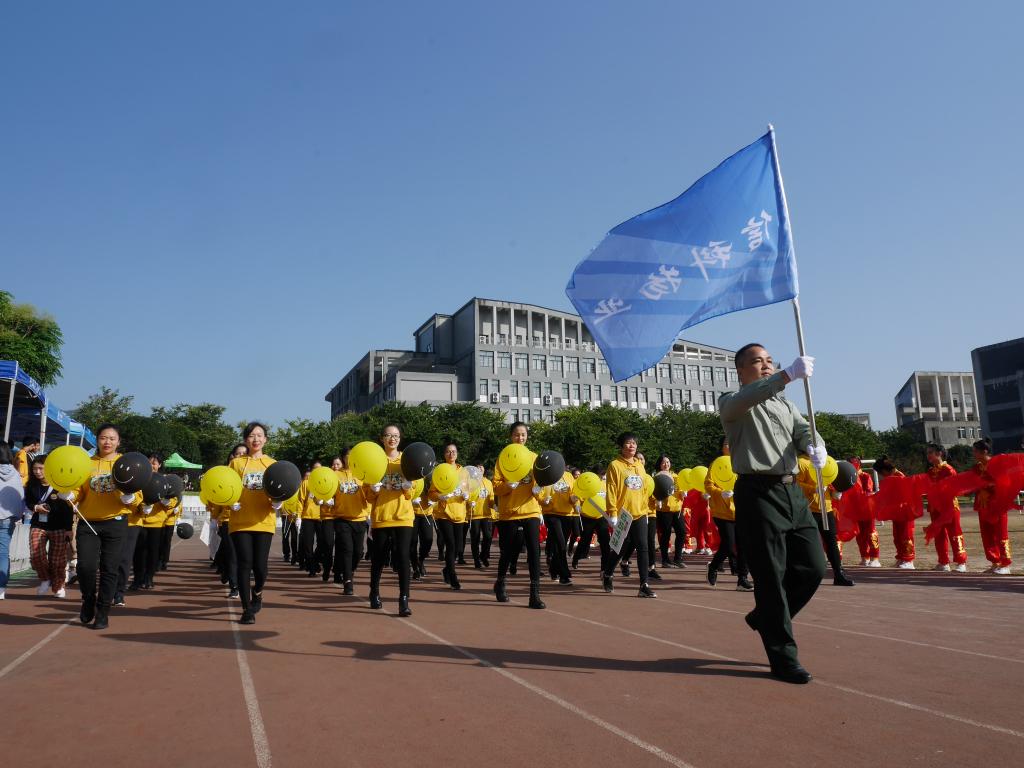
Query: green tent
<point x="174" y="461"/>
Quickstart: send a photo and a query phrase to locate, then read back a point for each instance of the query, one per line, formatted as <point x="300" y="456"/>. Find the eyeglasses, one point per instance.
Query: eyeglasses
<point x="392" y="437"/>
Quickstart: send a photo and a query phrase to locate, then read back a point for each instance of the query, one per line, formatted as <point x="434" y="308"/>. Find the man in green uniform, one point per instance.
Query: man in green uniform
<point x="776" y="531"/>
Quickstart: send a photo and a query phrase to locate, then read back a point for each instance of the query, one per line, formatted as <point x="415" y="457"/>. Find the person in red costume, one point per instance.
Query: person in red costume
<point x="867" y="535"/>
<point x="700" y="521"/>
<point x="902" y="519"/>
<point x="949" y="533"/>
<point x="994" y="534"/>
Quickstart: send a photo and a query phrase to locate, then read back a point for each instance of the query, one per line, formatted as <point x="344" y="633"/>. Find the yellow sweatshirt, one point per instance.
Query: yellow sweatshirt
<point x="99" y="499"/>
<point x="392" y="504"/>
<point x="454" y="509"/>
<point x="158" y="516"/>
<point x="624" y="481"/>
<point x="483" y="506"/>
<point x="807" y="479"/>
<point x="517" y="503"/>
<point x="559" y="497"/>
<point x="350" y="502"/>
<point x="255" y="513"/>
<point x="21" y="462"/>
<point x="310" y="506"/>
<point x="721" y="508"/>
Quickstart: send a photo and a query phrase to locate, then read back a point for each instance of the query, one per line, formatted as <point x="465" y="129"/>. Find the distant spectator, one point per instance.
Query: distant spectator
<point x="29" y="448"/>
<point x="50" y="535"/>
<point x="12" y="505"/>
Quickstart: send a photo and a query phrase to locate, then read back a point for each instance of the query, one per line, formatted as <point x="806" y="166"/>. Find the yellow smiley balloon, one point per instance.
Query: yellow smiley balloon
<point x="67" y="468"/>
<point x="446" y="478"/>
<point x="368" y="462"/>
<point x="515" y="462"/>
<point x="323" y="483"/>
<point x="830" y="471"/>
<point x="697" y="477"/>
<point x="587" y="485"/>
<point x="722" y="474"/>
<point x="221" y="486"/>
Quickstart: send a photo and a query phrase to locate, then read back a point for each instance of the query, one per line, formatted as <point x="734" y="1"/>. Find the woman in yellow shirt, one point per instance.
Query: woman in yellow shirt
<point x="670" y="519"/>
<point x="253" y="521"/>
<point x="518" y="510"/>
<point x="449" y="515"/>
<point x="310" y="530"/>
<point x="107" y="510"/>
<point x="625" y="496"/>
<point x="225" y="560"/>
<point x="723" y="514"/>
<point x="482" y="515"/>
<point x="351" y="512"/>
<point x="559" y="505"/>
<point x="391" y="521"/>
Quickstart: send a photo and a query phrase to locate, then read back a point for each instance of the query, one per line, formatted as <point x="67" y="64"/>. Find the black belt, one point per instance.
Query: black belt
<point x="769" y="479"/>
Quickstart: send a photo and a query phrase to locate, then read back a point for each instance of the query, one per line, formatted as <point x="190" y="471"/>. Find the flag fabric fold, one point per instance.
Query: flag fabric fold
<point x="722" y="246"/>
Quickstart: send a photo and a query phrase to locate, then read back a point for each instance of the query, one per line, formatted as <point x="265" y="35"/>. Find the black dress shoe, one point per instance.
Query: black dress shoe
<point x="751" y="620"/>
<point x="88" y="613"/>
<point x="624" y="567"/>
<point x="842" y="580"/>
<point x="712" y="575"/>
<point x="375" y="602"/>
<point x="607" y="583"/>
<point x="795" y="674"/>
<point x="645" y="591"/>
<point x="403" y="606"/>
<point x="499" y="592"/>
<point x="248" y="617"/>
<point x="257" y="602"/>
<point x="653" y="575"/>
<point x="348" y="588"/>
<point x="743" y="584"/>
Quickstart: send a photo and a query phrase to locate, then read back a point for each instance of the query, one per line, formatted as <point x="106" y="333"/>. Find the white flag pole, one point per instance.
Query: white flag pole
<point x="800" y="336"/>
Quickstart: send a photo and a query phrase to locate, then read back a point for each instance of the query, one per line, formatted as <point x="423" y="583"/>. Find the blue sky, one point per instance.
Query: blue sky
<point x="232" y="202"/>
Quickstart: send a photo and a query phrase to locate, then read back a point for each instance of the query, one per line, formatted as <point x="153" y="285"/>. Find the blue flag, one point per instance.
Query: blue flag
<point x="721" y="246"/>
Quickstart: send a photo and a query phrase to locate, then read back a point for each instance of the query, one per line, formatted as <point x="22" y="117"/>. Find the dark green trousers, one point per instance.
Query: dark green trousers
<point x="782" y="546"/>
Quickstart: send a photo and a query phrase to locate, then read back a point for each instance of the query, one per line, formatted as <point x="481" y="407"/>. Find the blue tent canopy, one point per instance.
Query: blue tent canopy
<point x="22" y="406"/>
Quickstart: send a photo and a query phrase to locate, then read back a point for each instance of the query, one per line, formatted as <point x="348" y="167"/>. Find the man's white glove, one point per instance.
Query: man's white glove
<point x="706" y="496"/>
<point x="147" y="509"/>
<point x="127" y="498"/>
<point x="406" y="485"/>
<point x="514" y="485"/>
<point x="726" y="494"/>
<point x="801" y="368"/>
<point x="377" y="486"/>
<point x="329" y="502"/>
<point x="818" y="456"/>
<point x="536" y="490"/>
<point x="235" y="507"/>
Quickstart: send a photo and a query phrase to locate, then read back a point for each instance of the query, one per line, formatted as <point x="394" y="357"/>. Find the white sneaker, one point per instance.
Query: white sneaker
<point x="865" y="562"/>
<point x="3" y="594"/>
<point x="991" y="568"/>
<point x="1003" y="570"/>
<point x="943" y="568"/>
<point x="875" y="563"/>
<point x="60" y="593"/>
<point x="961" y="568"/>
<point x="706" y="551"/>
<point x="687" y="551"/>
<point x="44" y="587"/>
<point x="905" y="565"/>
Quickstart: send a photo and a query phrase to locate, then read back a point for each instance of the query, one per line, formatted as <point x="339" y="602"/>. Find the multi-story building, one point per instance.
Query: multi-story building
<point x="939" y="407"/>
<point x="526" y="362"/>
<point x="999" y="370"/>
<point x="864" y="419"/>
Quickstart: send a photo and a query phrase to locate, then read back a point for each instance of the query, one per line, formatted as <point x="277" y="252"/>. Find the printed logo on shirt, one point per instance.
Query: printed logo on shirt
<point x="102" y="484"/>
<point x="253" y="481"/>
<point x="392" y="482"/>
<point x="634" y="482"/>
<point x="483" y="493"/>
<point x="348" y="487"/>
<point x="560" y="487"/>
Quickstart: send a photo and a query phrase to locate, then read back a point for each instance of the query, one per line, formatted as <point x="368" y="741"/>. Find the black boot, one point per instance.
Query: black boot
<point x="499" y="591"/>
<point x="102" y="611"/>
<point x="645" y="591"/>
<point x="445" y="576"/>
<point x="743" y="584"/>
<point x="712" y="575"/>
<point x="403" y="606"/>
<point x="535" y="601"/>
<point x="348" y="589"/>
<point x="606" y="582"/>
<point x="454" y="582"/>
<point x="375" y="602"/>
<point x="88" y="612"/>
<point x="841" y="579"/>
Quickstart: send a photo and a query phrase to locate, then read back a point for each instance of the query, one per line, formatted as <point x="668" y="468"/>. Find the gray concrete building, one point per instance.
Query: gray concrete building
<point x="526" y="362"/>
<point x="939" y="407"/>
<point x="999" y="372"/>
<point x="864" y="419"/>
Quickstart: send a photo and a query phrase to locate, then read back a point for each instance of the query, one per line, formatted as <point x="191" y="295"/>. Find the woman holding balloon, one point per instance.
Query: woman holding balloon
<point x="590" y="489"/>
<point x="559" y="505"/>
<point x="719" y="485"/>
<point x="626" y="496"/>
<point x="670" y="519"/>
<point x="518" y="510"/>
<point x="449" y="510"/>
<point x="392" y="516"/>
<point x="352" y="511"/>
<point x="482" y="513"/>
<point x="253" y="521"/>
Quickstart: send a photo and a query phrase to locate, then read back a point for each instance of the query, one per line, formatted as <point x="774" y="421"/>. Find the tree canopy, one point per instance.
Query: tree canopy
<point x="32" y="338"/>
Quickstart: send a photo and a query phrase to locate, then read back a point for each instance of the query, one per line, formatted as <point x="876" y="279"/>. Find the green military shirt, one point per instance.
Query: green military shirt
<point x="766" y="432"/>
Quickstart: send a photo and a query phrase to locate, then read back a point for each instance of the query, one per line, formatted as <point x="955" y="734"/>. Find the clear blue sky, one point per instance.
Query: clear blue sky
<point x="232" y="202"/>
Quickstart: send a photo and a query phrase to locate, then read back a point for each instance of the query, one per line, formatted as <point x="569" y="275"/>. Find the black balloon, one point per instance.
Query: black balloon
<point x="173" y="487"/>
<point x="548" y="468"/>
<point x="131" y="472"/>
<point x="847" y="477"/>
<point x="154" y="488"/>
<point x="281" y="480"/>
<point x="663" y="486"/>
<point x="418" y="461"/>
<point x="185" y="530"/>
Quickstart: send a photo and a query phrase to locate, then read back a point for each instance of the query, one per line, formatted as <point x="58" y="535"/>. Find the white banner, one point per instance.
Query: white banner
<point x="620" y="530"/>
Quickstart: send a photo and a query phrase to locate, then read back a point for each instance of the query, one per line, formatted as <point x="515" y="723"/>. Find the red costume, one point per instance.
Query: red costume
<point x="945" y="514"/>
<point x="995" y="536"/>
<point x="902" y="518"/>
<point x="700" y="528"/>
<point x="867" y="534"/>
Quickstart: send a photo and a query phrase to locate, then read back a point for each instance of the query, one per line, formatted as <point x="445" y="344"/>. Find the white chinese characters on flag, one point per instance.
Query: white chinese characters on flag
<point x="721" y="246"/>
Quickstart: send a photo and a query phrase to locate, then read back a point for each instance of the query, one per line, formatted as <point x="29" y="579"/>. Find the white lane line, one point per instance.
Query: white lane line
<point x="259" y="734"/>
<point x="569" y="706"/>
<point x="918" y="643"/>
<point x="817" y="681"/>
<point x="903" y="609"/>
<point x="18" y="661"/>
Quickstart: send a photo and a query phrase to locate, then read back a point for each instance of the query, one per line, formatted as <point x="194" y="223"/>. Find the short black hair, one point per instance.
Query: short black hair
<point x="104" y="427"/>
<point x="883" y="466"/>
<point x="252" y="425"/>
<point x="621" y="440"/>
<point x="985" y="444"/>
<point x="6" y="454"/>
<point x="742" y="351"/>
<point x="29" y="440"/>
<point x="936" y="448"/>
<point x="515" y="424"/>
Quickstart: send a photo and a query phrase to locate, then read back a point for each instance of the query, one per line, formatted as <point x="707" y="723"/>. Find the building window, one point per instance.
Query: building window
<point x="588" y="365"/>
<point x="602" y="368"/>
<point x="969" y="401"/>
<point x="733" y="376"/>
<point x="540" y="364"/>
<point x="575" y="391"/>
<point x="572" y="365"/>
<point x="549" y="417"/>
<point x="565" y="391"/>
<point x="956" y="401"/>
<point x="586" y="392"/>
<point x="513" y="388"/>
<point x="678" y="372"/>
<point x="536" y="389"/>
<point x="663" y="370"/>
<point x="526" y="415"/>
<point x="483" y="387"/>
<point x="505" y="361"/>
<point x="705" y="374"/>
<point x="487" y="360"/>
<point x="691" y="374"/>
<point x="555" y="366"/>
<point x="538" y="416"/>
<point x="658" y="395"/>
<point x="634" y="395"/>
<point x="522" y="363"/>
<point x="597" y="392"/>
<point x="673" y="397"/>
<point x="494" y="385"/>
<point x="720" y="376"/>
<point x="961" y="433"/>
<point x="643" y="395"/>
<point x="547" y="387"/>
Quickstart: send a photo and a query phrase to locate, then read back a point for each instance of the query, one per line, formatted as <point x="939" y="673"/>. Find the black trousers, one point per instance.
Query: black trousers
<point x="147" y="554"/>
<point x="636" y="541"/>
<point x="227" y="562"/>
<point x="166" y="539"/>
<point x="461" y="531"/>
<point x="397" y="541"/>
<point x="829" y="539"/>
<point x="575" y="530"/>
<point x="728" y="548"/>
<point x="127" y="561"/>
<point x="99" y="559"/>
<point x="327" y="546"/>
<point x="348" y="547"/>
<point x="447" y="534"/>
<point x="780" y="541"/>
<point x="592" y="525"/>
<point x="669" y="523"/>
<point x="554" y="548"/>
<point x="423" y="532"/>
<point x="481" y="533"/>
<point x="510" y="544"/>
<point x="252" y="550"/>
<point x="289" y="540"/>
<point x="309" y="544"/>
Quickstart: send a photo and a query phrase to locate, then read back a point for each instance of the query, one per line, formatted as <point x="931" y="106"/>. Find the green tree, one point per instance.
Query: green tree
<point x="903" y="449"/>
<point x="32" y="338"/>
<point x="844" y="437"/>
<point x="108" y="406"/>
<point x="205" y="437"/>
